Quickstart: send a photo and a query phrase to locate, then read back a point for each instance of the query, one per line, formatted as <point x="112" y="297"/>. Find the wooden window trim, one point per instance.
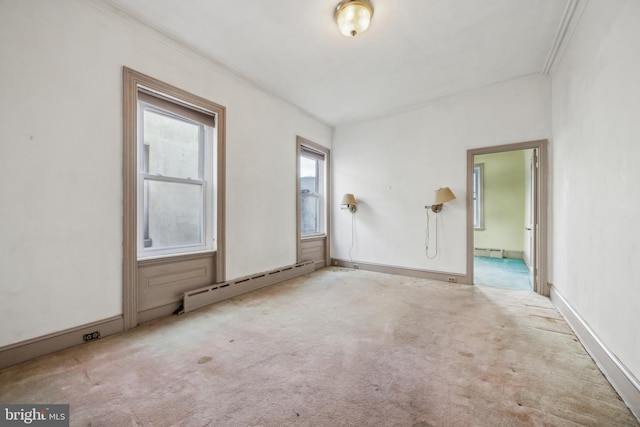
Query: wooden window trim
<point x="303" y="144"/>
<point x="133" y="83"/>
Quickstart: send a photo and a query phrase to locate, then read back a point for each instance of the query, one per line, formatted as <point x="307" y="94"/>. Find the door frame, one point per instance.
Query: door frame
<point x="541" y="285"/>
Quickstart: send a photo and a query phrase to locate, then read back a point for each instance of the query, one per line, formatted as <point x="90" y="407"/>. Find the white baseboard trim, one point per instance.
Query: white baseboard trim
<point x="623" y="381"/>
<point x="30" y="349"/>
<point x="402" y="271"/>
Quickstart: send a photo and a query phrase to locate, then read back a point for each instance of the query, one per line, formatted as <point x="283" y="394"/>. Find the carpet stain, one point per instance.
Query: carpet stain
<point x="465" y="354"/>
<point x="92" y="382"/>
<point x="204" y="360"/>
<point x="520" y="416"/>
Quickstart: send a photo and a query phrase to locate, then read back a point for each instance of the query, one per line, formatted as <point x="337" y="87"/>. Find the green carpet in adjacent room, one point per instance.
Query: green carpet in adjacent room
<point x="503" y="273"/>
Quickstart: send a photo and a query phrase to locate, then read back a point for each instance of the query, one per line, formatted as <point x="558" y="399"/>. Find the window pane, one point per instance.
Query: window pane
<point x="309" y="197"/>
<point x="308" y="174"/>
<point x="174" y="214"/>
<point x="309" y="210"/>
<point x="174" y="146"/>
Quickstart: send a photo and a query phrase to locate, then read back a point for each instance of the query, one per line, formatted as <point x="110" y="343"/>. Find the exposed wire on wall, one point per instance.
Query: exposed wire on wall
<point x="427" y="237"/>
<point x="443" y="195"/>
<point x="353" y="231"/>
<point x="349" y="203"/>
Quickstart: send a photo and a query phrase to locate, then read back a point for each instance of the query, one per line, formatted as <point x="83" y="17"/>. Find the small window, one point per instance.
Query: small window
<point x="478" y="197"/>
<point x="175" y="151"/>
<point x="312" y="192"/>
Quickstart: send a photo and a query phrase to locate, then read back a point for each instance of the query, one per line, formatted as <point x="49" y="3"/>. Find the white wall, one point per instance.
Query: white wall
<point x="61" y="167"/>
<point x="596" y="179"/>
<point x="393" y="165"/>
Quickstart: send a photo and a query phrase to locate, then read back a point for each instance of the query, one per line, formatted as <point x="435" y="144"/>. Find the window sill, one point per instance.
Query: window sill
<point x="159" y="259"/>
<point x="314" y="236"/>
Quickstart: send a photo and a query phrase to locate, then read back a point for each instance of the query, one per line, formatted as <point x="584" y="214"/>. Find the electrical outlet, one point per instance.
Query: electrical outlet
<point x="451" y="279"/>
<point x="356" y="266"/>
<point x="91" y="336"/>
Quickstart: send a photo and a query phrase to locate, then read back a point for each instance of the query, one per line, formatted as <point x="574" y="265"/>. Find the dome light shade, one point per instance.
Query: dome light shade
<point x="353" y="16"/>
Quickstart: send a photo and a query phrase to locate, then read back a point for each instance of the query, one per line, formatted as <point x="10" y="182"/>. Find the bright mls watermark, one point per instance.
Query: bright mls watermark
<point x="34" y="415"/>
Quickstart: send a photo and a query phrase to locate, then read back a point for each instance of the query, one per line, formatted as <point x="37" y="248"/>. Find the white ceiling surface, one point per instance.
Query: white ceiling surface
<point x="414" y="51"/>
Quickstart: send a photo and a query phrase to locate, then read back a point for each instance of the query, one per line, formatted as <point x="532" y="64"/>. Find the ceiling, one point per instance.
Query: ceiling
<point x="414" y="51"/>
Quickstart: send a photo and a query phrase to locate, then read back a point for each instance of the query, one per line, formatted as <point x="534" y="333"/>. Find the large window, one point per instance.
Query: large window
<point x="173" y="180"/>
<point x="175" y="177"/>
<point x="478" y="197"/>
<point x="312" y="192"/>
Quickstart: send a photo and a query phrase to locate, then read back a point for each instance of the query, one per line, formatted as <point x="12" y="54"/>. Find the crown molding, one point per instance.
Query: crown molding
<point x="570" y="18"/>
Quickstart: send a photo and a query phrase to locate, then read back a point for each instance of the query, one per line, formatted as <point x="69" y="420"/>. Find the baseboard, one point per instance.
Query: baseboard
<point x="319" y="264"/>
<point x="623" y="381"/>
<point x="30" y="349"/>
<point x="157" y="312"/>
<point x="506" y="253"/>
<point x="514" y="254"/>
<point x="402" y="271"/>
<point x="198" y="298"/>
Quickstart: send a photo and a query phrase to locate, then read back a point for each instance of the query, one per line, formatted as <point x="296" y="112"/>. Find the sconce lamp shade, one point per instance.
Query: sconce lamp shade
<point x="443" y="195"/>
<point x="349" y="201"/>
<point x="353" y="16"/>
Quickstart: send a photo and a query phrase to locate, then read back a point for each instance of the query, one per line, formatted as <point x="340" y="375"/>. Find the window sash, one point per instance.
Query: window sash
<point x="317" y="196"/>
<point x="205" y="221"/>
<point x="144" y="158"/>
<point x="181" y="232"/>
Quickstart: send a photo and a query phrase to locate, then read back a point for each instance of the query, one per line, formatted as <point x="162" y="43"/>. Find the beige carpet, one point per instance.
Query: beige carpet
<point x="337" y="348"/>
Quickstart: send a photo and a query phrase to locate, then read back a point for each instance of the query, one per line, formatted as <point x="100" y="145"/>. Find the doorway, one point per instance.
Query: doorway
<point x="510" y="235"/>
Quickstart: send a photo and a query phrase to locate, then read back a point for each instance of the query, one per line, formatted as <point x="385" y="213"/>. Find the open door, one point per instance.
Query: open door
<point x="532" y="223"/>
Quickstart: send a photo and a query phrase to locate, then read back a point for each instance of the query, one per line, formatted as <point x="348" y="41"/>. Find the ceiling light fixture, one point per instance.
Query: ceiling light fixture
<point x="353" y="16"/>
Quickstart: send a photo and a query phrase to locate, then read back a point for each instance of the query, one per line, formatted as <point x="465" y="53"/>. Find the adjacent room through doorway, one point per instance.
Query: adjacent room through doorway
<point x="502" y="219"/>
<point x="504" y="195"/>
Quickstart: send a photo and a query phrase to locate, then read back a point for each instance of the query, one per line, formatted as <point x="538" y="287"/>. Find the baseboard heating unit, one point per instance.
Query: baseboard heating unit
<point x="492" y="253"/>
<point x="210" y="294"/>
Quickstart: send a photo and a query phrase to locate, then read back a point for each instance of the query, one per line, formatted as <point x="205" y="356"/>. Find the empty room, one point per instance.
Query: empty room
<point x="288" y="212"/>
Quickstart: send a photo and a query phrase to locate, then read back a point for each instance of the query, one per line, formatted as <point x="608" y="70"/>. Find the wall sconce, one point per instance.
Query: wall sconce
<point x="349" y="202"/>
<point x="443" y="195"/>
<point x="353" y="16"/>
